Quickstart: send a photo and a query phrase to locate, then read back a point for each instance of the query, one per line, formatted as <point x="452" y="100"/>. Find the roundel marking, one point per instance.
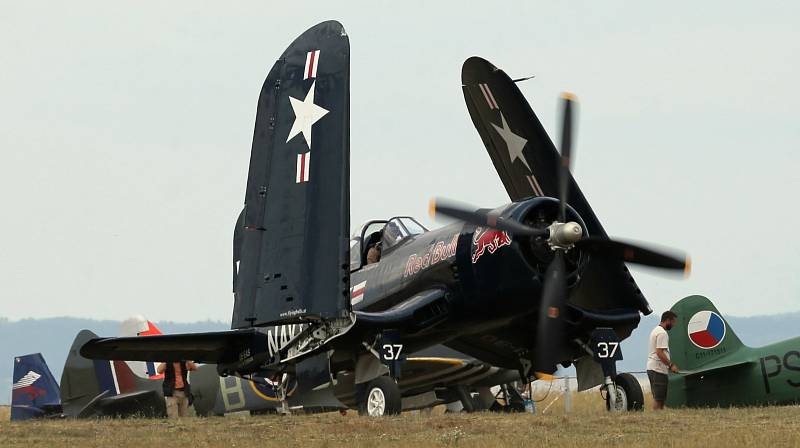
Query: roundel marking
<point x="268" y="391"/>
<point x="706" y="329"/>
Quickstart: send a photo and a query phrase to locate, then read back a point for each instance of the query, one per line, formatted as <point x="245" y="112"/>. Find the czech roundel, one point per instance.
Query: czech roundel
<point x="706" y="329"/>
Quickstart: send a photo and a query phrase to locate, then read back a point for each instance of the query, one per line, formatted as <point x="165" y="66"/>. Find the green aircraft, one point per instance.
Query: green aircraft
<point x="718" y="370"/>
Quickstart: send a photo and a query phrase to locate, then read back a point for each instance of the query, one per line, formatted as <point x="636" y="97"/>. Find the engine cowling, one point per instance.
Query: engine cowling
<point x="542" y="213"/>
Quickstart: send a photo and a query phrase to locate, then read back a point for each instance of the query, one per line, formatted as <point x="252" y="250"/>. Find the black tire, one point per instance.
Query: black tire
<point x="391" y="396"/>
<point x="632" y="389"/>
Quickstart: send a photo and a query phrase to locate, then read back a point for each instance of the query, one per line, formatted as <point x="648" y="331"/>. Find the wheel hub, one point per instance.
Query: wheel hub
<point x="376" y="402"/>
<point x="621" y="403"/>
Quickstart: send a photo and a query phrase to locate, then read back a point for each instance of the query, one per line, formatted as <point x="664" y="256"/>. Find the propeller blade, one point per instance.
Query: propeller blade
<point x="550" y="330"/>
<point x="566" y="153"/>
<point x="633" y="253"/>
<point x="482" y="217"/>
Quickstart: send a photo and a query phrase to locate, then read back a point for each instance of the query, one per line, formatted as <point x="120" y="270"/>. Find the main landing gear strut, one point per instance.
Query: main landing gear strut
<point x="623" y="392"/>
<point x="382" y="396"/>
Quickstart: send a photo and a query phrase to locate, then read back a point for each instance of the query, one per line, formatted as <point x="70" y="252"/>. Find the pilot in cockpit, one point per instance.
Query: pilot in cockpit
<point x="374" y="253"/>
<point x="390" y="234"/>
<point x="393" y="231"/>
<point x="374" y="246"/>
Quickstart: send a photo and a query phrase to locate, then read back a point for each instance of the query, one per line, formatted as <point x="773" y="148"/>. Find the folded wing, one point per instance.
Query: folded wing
<point x="528" y="165"/>
<point x="293" y="235"/>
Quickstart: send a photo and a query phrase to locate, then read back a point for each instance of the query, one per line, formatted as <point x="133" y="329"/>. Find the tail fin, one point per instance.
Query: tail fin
<point x="701" y="335"/>
<point x="84" y="380"/>
<point x="139" y="326"/>
<point x="35" y="392"/>
<point x="150" y="366"/>
<point x="151" y="330"/>
<point x="79" y="383"/>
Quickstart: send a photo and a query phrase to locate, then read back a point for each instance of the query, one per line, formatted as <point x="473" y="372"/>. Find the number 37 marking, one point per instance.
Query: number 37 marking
<point x="607" y="349"/>
<point x="391" y="352"/>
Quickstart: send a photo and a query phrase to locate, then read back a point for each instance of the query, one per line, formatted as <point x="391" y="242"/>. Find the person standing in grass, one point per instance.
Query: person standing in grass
<point x="177" y="391"/>
<point x="658" y="362"/>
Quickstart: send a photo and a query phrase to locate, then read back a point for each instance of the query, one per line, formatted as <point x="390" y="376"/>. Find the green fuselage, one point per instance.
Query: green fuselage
<point x="747" y="377"/>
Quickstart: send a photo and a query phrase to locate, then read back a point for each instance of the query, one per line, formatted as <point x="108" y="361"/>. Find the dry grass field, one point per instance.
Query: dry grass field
<point x="587" y="425"/>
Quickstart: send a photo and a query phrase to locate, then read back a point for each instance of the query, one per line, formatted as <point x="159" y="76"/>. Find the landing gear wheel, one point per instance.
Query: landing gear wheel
<point x="629" y="394"/>
<point x="381" y="397"/>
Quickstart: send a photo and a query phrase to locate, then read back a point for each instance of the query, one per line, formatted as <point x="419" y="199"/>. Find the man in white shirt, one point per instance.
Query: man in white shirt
<point x="658" y="362"/>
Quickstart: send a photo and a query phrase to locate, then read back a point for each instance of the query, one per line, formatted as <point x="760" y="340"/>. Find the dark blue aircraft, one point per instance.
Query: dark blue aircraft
<point x="524" y="287"/>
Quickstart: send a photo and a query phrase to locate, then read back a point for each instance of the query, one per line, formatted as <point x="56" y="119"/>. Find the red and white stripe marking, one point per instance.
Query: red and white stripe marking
<point x="114" y="375"/>
<point x="357" y="293"/>
<point x="312" y="61"/>
<point x="489" y="97"/>
<point x="537" y="190"/>
<point x="303" y="162"/>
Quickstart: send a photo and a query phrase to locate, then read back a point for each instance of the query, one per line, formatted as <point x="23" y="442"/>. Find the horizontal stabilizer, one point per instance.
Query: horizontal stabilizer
<point x="46" y="411"/>
<point x="720" y="368"/>
<point x="143" y="403"/>
<point x="92" y="407"/>
<point x="212" y="348"/>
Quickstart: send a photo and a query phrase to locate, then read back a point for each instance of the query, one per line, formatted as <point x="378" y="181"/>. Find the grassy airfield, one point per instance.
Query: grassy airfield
<point x="587" y="425"/>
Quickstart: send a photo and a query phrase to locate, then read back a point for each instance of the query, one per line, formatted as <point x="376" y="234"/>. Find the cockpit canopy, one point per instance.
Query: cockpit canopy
<point x="382" y="234"/>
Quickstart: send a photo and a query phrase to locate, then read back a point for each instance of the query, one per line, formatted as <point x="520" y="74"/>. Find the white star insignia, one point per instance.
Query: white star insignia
<point x="514" y="142"/>
<point x="306" y="113"/>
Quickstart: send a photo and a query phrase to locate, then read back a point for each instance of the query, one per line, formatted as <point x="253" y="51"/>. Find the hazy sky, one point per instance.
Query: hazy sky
<point x="125" y="136"/>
